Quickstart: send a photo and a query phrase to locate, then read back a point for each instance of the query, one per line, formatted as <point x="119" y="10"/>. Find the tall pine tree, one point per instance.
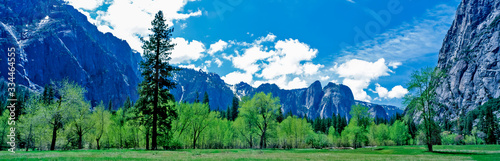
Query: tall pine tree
<point x="234" y="110"/>
<point x="154" y="90"/>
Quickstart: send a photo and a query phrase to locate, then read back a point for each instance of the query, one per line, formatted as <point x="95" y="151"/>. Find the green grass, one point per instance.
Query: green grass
<point x="465" y="152"/>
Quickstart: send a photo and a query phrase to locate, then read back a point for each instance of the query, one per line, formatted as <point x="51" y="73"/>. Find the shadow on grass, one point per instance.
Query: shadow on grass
<point x="456" y="152"/>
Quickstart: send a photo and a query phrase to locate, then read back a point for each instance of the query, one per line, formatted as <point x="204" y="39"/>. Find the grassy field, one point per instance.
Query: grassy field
<point x="466" y="152"/>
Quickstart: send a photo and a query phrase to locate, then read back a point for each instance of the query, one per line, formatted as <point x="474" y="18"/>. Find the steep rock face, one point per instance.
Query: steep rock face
<point x="470" y="58"/>
<point x="313" y="97"/>
<point x="190" y="82"/>
<point x="314" y="101"/>
<point x="54" y="41"/>
<point x="336" y="99"/>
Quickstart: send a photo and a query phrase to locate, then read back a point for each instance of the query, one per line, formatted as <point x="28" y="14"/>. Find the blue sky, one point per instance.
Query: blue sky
<point x="372" y="46"/>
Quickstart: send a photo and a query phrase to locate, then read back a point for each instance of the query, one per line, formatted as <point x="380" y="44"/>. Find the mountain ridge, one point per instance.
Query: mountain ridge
<point x="314" y="101"/>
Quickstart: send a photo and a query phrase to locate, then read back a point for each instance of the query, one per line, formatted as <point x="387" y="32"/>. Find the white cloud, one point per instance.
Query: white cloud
<point x="185" y="51"/>
<point x="218" y="62"/>
<point x="287" y="59"/>
<point x="129" y="19"/>
<point x="357" y="87"/>
<point x="276" y="62"/>
<point x="268" y="38"/>
<point x="352" y="1"/>
<point x="183" y="25"/>
<point x="218" y="46"/>
<point x="360" y="69"/>
<point x="411" y="40"/>
<point x="296" y="83"/>
<point x="237" y="77"/>
<point x="208" y="63"/>
<point x="395" y="65"/>
<point x="284" y="83"/>
<point x="358" y="74"/>
<point x="396" y="92"/>
<point x="248" y="61"/>
<point x="192" y="66"/>
<point x="324" y="78"/>
<point x="87" y="4"/>
<point x="310" y="68"/>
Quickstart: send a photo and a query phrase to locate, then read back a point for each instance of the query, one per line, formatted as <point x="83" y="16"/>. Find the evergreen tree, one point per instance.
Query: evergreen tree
<point x="154" y="90"/>
<point x="110" y="106"/>
<point x="127" y="105"/>
<point x="280" y="116"/>
<point x="228" y="113"/>
<point x="197" y="98"/>
<point x="205" y="99"/>
<point x="48" y="94"/>
<point x="234" y="110"/>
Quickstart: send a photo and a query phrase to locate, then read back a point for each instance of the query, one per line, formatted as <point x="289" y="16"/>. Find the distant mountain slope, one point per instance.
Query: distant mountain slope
<point x="54" y="41"/>
<point x="314" y="101"/>
<point x="470" y="58"/>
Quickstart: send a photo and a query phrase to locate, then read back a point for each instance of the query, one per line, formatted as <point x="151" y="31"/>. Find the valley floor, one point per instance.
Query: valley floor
<point x="443" y="152"/>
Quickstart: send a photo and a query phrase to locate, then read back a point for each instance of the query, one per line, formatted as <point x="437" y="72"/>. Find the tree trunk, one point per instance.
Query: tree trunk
<point x="155" y="102"/>
<point x="54" y="137"/>
<point x="80" y="140"/>
<point x="194" y="143"/>
<point x="429" y="146"/>
<point x="97" y="141"/>
<point x="262" y="140"/>
<point x="29" y="139"/>
<point x="147" y="139"/>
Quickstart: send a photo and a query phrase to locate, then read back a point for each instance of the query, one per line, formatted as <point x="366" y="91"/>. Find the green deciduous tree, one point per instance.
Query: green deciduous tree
<point x="71" y="98"/>
<point x="261" y="111"/>
<point x="422" y="99"/>
<point x="399" y="133"/>
<point x="294" y="131"/>
<point x="102" y="121"/>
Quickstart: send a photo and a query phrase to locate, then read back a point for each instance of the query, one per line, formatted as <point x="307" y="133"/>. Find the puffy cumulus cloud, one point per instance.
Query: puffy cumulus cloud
<point x="248" y="61"/>
<point x="287" y="59"/>
<point x="296" y="83"/>
<point x="358" y="74"/>
<point x="396" y="92"/>
<point x="310" y="68"/>
<point x="237" y="77"/>
<point x="185" y="51"/>
<point x="218" y="46"/>
<point x="276" y="62"/>
<point x="358" y="87"/>
<point x="324" y="78"/>
<point x="360" y="69"/>
<point x="130" y="19"/>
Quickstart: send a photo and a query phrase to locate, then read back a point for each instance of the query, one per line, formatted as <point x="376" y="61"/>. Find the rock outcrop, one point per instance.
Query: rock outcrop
<point x="470" y="58"/>
<point x="54" y="41"/>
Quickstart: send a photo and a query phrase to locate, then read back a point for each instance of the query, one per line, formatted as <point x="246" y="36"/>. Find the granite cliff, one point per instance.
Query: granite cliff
<point x="470" y="59"/>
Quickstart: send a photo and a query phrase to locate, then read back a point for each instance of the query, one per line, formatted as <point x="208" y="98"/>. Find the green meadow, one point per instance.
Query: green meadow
<point x="442" y="152"/>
